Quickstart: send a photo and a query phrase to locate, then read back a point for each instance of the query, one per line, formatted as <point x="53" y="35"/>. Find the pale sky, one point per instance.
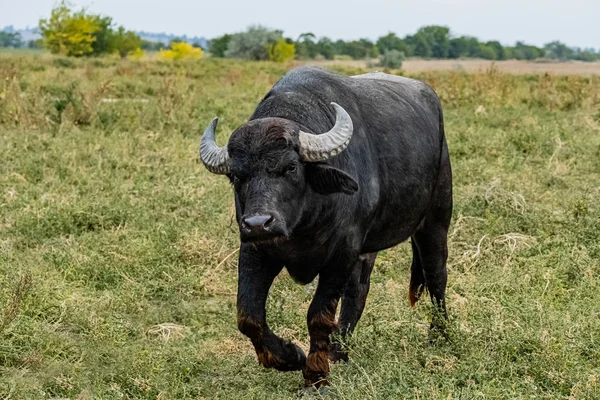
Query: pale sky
<point x="575" y="22"/>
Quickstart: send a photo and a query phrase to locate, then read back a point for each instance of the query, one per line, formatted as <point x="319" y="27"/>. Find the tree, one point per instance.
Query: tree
<point x="10" y="39"/>
<point x="392" y="42"/>
<point x="281" y="51"/>
<point x="497" y="48"/>
<point x="420" y="45"/>
<point x="437" y="39"/>
<point x="326" y="48"/>
<point x="463" y="46"/>
<point x="124" y="42"/>
<point x="69" y="33"/>
<point x="486" y="52"/>
<point x="558" y="51"/>
<point x="80" y="34"/>
<point x="252" y="44"/>
<point x="102" y="43"/>
<point x="305" y="45"/>
<point x="218" y="46"/>
<point x="371" y="50"/>
<point x="524" y="51"/>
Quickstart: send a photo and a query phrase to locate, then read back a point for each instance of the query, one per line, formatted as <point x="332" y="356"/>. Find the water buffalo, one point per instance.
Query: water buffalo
<point x="328" y="171"/>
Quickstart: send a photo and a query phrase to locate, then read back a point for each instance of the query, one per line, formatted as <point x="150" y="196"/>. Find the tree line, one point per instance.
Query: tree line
<point x="428" y="42"/>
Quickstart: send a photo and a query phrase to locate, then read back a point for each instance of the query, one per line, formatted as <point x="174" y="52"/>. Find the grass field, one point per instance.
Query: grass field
<point x="118" y="251"/>
<point x="418" y="65"/>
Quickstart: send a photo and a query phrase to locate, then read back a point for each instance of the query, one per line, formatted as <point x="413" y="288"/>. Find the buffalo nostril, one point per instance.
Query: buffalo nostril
<point x="258" y="221"/>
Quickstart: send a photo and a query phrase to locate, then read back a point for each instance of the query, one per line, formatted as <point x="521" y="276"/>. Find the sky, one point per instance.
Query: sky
<point x="574" y="22"/>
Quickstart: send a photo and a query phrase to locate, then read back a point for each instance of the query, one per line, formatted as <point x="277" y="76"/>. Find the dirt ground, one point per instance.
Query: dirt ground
<point x="473" y="65"/>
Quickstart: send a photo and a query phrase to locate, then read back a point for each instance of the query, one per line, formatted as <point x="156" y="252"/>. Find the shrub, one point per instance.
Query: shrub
<point x="281" y="51"/>
<point x="392" y="59"/>
<point x="136" y="54"/>
<point x="181" y="51"/>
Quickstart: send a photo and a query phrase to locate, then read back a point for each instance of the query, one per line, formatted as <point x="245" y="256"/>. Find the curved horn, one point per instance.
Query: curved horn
<point x="315" y="148"/>
<point x="214" y="158"/>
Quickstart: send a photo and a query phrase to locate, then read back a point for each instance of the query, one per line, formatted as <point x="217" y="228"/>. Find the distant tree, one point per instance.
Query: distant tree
<point x="487" y="52"/>
<point x="524" y="51"/>
<point x="281" y="51"/>
<point x="498" y="49"/>
<point x="392" y="42"/>
<point x="125" y="42"/>
<point x="355" y="49"/>
<point x="69" y="33"/>
<point x="370" y="47"/>
<point x="218" y="46"/>
<point x="588" y="54"/>
<point x="432" y="41"/>
<point x="306" y="46"/>
<point x="339" y="47"/>
<point x="80" y="34"/>
<point x="10" y="39"/>
<point x="420" y="45"/>
<point x="558" y="51"/>
<point x="463" y="46"/>
<point x="326" y="48"/>
<point x="252" y="44"/>
<point x="103" y="36"/>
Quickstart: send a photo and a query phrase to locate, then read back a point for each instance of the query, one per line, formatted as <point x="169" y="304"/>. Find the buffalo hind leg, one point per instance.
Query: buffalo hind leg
<point x="430" y="245"/>
<point x="353" y="303"/>
<point x="431" y="248"/>
<point x="417" y="276"/>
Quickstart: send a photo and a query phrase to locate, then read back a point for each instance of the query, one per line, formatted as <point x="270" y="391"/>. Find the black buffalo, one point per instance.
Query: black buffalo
<point x="325" y="203"/>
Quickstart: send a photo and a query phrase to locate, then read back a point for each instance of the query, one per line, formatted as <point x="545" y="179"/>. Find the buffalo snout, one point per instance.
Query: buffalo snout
<point x="260" y="227"/>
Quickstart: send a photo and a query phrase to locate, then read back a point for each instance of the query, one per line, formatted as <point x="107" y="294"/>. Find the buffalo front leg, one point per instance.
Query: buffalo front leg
<point x="321" y="324"/>
<point x="255" y="276"/>
<point x="353" y="303"/>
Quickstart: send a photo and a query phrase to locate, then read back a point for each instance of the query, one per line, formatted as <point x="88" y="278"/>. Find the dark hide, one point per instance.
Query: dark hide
<point x="393" y="182"/>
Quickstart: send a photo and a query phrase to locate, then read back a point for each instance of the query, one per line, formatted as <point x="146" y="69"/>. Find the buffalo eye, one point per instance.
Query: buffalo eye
<point x="292" y="167"/>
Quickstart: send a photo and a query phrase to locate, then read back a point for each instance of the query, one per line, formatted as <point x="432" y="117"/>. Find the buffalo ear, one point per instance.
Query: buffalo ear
<point x="325" y="179"/>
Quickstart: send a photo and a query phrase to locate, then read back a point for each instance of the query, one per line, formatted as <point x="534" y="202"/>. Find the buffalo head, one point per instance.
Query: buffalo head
<point x="273" y="166"/>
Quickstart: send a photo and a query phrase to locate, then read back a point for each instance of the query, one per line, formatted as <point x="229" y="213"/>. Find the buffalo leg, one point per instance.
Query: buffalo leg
<point x="430" y="241"/>
<point x="433" y="252"/>
<point x="417" y="276"/>
<point x="321" y="323"/>
<point x="353" y="302"/>
<point x="255" y="278"/>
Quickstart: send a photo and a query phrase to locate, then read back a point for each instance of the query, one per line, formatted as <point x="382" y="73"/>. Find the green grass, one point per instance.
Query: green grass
<point x="118" y="252"/>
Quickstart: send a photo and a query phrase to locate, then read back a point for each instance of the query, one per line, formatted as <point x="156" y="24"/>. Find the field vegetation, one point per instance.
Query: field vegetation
<point x="118" y="249"/>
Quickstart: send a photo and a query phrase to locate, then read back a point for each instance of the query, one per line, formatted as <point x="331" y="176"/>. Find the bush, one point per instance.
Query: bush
<point x="391" y="59"/>
<point x="181" y="51"/>
<point x="281" y="51"/>
<point x="136" y="54"/>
